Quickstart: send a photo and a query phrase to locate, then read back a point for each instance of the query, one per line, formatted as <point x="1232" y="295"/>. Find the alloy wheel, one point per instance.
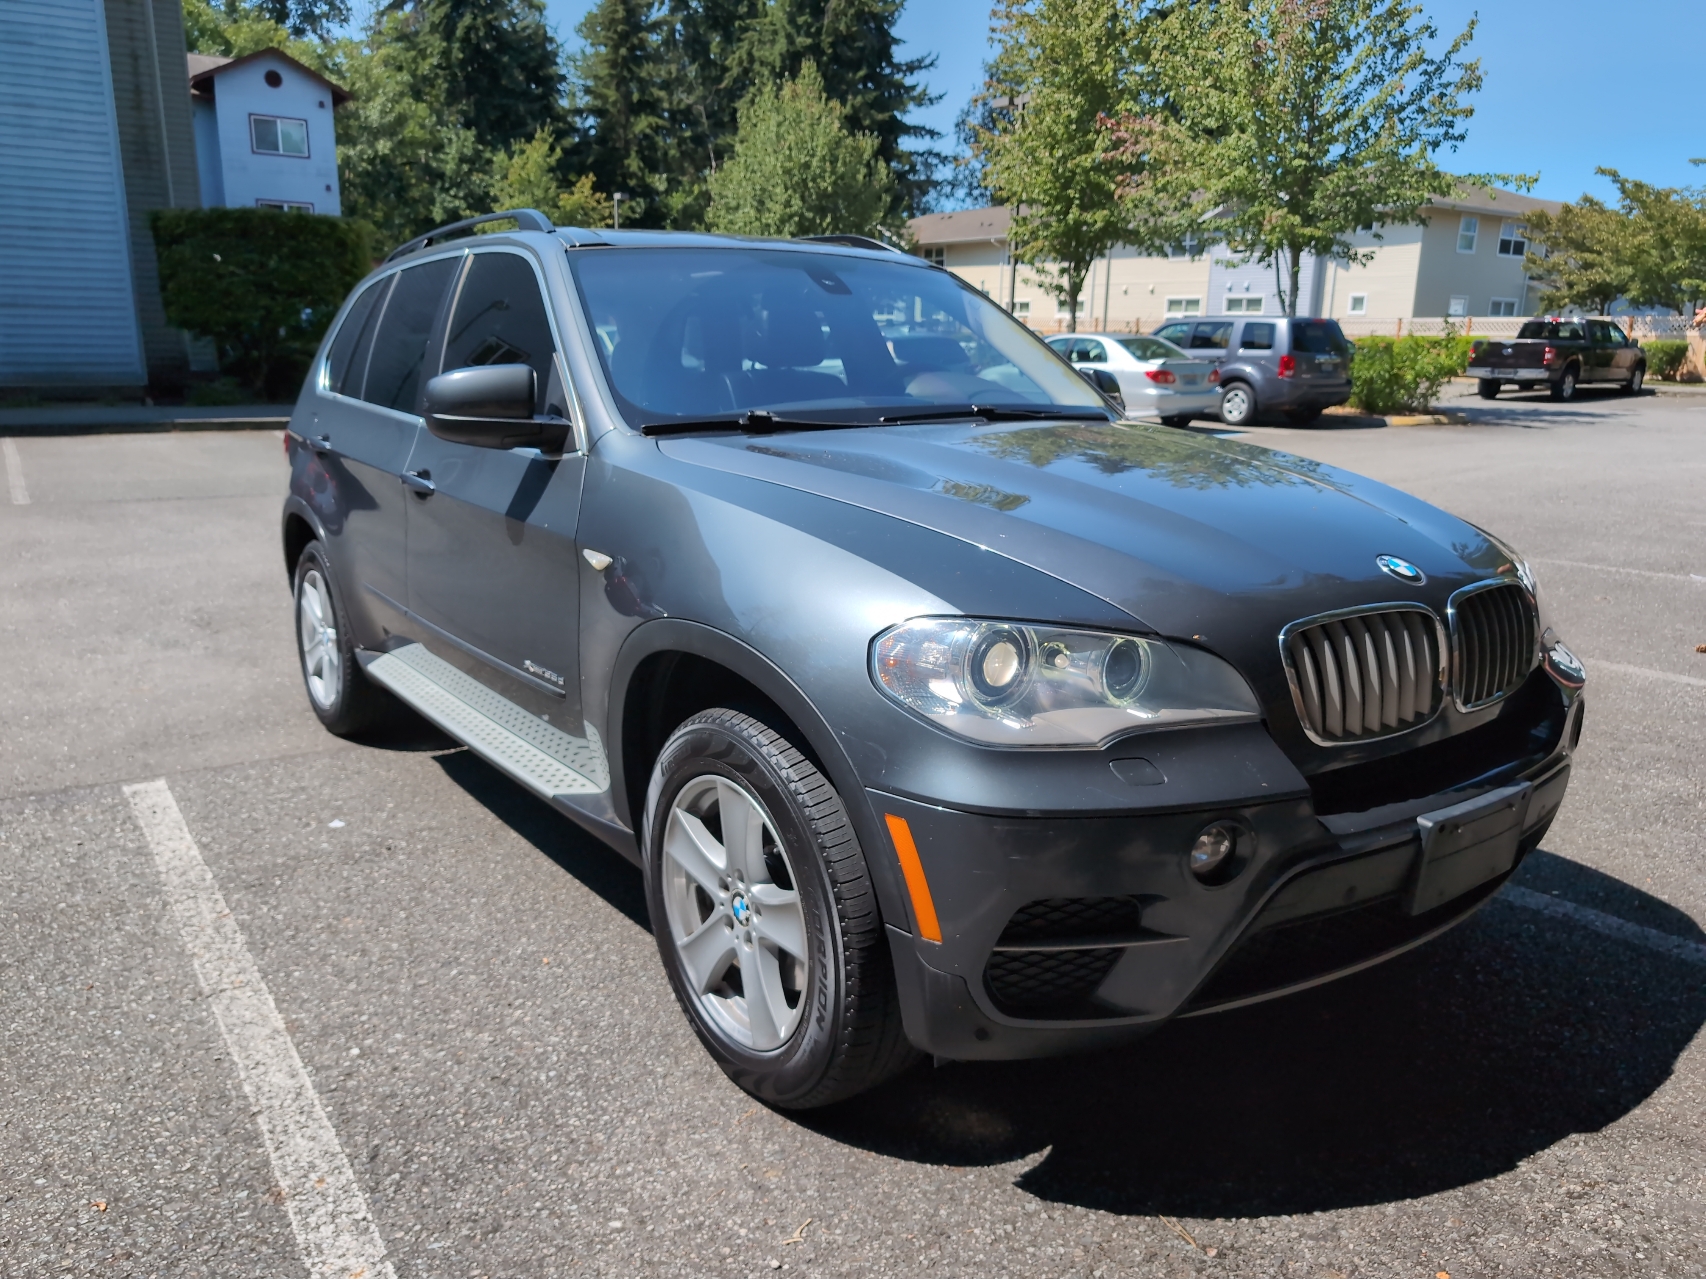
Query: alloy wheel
<point x="322" y="660"/>
<point x="734" y="913"/>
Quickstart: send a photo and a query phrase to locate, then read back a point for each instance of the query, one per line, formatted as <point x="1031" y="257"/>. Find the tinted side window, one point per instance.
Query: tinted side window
<point x="347" y="360"/>
<point x="1257" y="337"/>
<point x="1177" y="334"/>
<point x="394" y="372"/>
<point x="500" y="319"/>
<point x="1215" y="336"/>
<point x="1093" y="352"/>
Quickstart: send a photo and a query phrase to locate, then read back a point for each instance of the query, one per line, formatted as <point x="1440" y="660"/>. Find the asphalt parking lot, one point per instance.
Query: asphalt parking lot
<point x="472" y="992"/>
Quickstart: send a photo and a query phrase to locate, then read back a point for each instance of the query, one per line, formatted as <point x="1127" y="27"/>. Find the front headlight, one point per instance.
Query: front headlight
<point x="1013" y="684"/>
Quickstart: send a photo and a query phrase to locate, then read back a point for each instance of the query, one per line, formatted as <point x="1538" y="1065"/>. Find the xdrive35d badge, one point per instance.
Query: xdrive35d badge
<point x="1403" y="570"/>
<point x="942" y="709"/>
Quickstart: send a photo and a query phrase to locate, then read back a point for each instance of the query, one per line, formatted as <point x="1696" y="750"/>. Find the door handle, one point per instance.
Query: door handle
<point x="419" y="482"/>
<point x="321" y="444"/>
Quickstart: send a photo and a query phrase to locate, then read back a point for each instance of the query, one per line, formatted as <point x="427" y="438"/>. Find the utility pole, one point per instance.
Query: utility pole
<point x="616" y="209"/>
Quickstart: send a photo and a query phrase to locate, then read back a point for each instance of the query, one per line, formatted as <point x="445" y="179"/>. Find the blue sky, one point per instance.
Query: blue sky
<point x="1569" y="85"/>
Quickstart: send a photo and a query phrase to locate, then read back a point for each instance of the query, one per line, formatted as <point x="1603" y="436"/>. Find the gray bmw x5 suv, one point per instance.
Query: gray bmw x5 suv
<point x="943" y="712"/>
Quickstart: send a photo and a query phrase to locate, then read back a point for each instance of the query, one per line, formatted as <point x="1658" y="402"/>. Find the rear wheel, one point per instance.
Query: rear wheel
<point x="1237" y="405"/>
<point x="1636" y="379"/>
<point x="1565" y="387"/>
<point x="1488" y="388"/>
<point x="338" y="690"/>
<point x="766" y="917"/>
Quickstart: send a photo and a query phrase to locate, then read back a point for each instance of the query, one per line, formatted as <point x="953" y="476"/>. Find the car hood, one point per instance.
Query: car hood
<point x="1193" y="536"/>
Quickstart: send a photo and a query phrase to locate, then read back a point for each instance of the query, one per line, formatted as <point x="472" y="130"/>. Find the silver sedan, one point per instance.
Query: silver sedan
<point x="1156" y="378"/>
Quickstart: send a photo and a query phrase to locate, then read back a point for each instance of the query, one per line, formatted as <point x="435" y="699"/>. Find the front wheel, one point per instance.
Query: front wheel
<point x="766" y="917"/>
<point x="1237" y="405"/>
<point x="1565" y="387"/>
<point x="1636" y="379"/>
<point x="1489" y="388"/>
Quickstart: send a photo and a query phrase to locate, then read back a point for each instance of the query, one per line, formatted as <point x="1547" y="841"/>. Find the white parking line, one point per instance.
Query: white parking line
<point x="1633" y="572"/>
<point x="1666" y="943"/>
<point x="334" y="1228"/>
<point x="1597" y="664"/>
<point x="14" y="472"/>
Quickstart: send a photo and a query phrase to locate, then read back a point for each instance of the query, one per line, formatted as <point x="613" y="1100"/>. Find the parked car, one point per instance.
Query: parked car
<point x="1563" y="354"/>
<point x="1296" y="367"/>
<point x="942" y="713"/>
<point x="1155" y="378"/>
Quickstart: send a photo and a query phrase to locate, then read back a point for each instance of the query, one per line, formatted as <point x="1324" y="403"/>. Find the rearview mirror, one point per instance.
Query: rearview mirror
<point x="491" y="406"/>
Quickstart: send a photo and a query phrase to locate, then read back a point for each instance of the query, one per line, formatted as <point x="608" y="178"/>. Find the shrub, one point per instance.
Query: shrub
<point x="1403" y="375"/>
<point x="261" y="283"/>
<point x="1665" y="359"/>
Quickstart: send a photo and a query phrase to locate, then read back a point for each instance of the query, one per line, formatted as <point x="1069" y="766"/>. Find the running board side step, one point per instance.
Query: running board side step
<point x="546" y="760"/>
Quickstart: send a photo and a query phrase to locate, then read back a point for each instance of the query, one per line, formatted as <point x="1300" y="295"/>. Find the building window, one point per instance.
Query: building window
<point x="1022" y="308"/>
<point x="1244" y="306"/>
<point x="1457" y="308"/>
<point x="289" y="206"/>
<point x="277" y="135"/>
<point x="1359" y="304"/>
<point x="1467" y="229"/>
<point x="1513" y="240"/>
<point x="1188" y="249"/>
<point x="1503" y="306"/>
<point x="1060" y="307"/>
<point x="1184" y="306"/>
<point x="935" y="255"/>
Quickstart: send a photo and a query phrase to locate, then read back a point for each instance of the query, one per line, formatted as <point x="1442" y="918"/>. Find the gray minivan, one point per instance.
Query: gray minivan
<point x="1276" y="364"/>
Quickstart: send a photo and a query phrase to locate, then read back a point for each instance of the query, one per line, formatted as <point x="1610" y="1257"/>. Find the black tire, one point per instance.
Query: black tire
<point x="1525" y="386"/>
<point x="1237" y="404"/>
<point x="1302" y="417"/>
<point x="1488" y="388"/>
<point x="1636" y="379"/>
<point x="1175" y="419"/>
<point x="1564" y="389"/>
<point x="342" y="696"/>
<point x="848" y="1036"/>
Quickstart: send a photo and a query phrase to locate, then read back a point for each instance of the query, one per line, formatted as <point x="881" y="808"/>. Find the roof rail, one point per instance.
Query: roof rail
<point x="528" y="219"/>
<point x="851" y="242"/>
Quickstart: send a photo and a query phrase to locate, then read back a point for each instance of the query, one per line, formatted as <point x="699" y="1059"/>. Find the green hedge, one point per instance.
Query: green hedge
<point x="262" y="283"/>
<point x="1665" y="359"/>
<point x="1403" y="375"/>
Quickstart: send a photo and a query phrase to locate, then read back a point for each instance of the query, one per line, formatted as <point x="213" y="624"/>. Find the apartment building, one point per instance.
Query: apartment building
<point x="1466" y="260"/>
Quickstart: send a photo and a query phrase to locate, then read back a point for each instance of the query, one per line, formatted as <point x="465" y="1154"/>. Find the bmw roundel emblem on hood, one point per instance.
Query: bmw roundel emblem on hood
<point x="1403" y="570"/>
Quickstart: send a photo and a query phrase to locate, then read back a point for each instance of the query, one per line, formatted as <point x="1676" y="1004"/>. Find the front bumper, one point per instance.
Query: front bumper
<point x="1064" y="934"/>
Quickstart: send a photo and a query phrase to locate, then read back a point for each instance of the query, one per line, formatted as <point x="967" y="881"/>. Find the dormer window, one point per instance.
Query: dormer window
<point x="278" y="135"/>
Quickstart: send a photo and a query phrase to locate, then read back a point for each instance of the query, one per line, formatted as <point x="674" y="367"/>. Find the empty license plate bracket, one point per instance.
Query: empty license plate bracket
<point x="1467" y="844"/>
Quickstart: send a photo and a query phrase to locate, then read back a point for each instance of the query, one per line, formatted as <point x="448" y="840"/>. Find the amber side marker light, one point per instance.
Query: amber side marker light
<point x="923" y="907"/>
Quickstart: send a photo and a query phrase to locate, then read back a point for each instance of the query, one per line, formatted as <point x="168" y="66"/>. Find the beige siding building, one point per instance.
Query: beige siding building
<point x="1465" y="261"/>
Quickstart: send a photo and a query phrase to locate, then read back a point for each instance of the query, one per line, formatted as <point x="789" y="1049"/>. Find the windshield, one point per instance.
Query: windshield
<point x="689" y="333"/>
<point x="1559" y="330"/>
<point x="1318" y="337"/>
<point x="1147" y="348"/>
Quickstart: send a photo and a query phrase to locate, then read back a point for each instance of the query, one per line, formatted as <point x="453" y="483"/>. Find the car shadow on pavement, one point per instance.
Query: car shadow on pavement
<point x="601" y="868"/>
<point x="1442" y="1068"/>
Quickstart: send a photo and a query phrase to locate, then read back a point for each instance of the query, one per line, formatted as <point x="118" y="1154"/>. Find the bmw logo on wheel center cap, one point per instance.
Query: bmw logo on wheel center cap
<point x="741" y="911"/>
<point x="1403" y="570"/>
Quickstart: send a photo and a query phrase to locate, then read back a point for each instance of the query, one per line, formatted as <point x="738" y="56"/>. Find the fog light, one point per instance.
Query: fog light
<point x="1212" y="855"/>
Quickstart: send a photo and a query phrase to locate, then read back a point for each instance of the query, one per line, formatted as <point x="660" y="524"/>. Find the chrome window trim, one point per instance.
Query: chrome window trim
<point x="1451" y="607"/>
<point x="1338" y="615"/>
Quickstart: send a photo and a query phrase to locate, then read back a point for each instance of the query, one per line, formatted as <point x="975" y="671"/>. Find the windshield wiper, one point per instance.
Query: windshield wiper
<point x="1000" y="413"/>
<point x="755" y="421"/>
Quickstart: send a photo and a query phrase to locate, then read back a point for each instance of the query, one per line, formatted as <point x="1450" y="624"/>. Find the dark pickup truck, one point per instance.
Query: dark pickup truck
<point x="1561" y="353"/>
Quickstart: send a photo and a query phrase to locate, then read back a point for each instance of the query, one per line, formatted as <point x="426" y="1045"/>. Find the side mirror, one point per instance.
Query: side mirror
<point x="491" y="406"/>
<point x="1106" y="383"/>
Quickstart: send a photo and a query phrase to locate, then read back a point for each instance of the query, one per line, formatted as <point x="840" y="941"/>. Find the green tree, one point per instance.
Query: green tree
<point x="1293" y="123"/>
<point x="233" y="28"/>
<point x="1666" y="245"/>
<point x="1061" y="66"/>
<point x="1581" y="256"/>
<point x="502" y="69"/>
<point x="530" y="176"/>
<point x="623" y="102"/>
<point x="796" y="168"/>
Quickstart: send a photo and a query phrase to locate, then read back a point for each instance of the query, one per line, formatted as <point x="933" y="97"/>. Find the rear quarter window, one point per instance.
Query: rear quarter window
<point x="1319" y="337"/>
